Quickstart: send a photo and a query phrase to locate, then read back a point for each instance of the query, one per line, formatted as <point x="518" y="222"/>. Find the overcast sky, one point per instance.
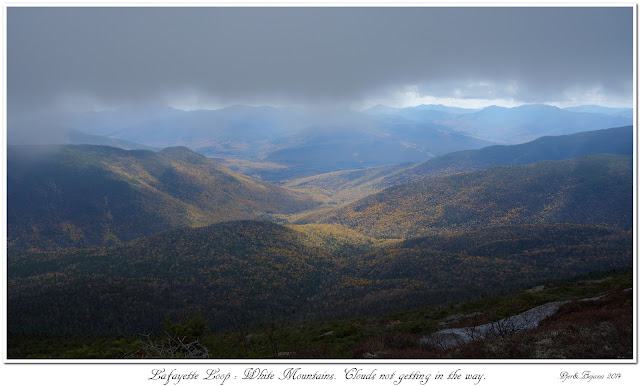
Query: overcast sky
<point x="92" y="58"/>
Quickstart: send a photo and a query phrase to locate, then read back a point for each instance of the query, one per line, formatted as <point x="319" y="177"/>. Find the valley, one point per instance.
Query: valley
<point x="326" y="241"/>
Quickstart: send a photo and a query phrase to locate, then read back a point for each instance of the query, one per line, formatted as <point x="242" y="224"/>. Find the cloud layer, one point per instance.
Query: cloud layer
<point x="96" y="57"/>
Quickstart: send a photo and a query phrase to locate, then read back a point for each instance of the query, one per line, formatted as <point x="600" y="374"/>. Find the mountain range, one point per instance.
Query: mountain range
<point x="348" y="185"/>
<point x="273" y="220"/>
<point x="528" y="122"/>
<point x="310" y="142"/>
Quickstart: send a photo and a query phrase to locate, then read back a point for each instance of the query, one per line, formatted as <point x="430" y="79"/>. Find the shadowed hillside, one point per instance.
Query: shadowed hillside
<point x="85" y="196"/>
<point x="249" y="273"/>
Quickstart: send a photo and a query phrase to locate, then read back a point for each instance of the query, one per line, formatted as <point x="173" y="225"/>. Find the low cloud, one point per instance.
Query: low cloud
<point x="313" y="56"/>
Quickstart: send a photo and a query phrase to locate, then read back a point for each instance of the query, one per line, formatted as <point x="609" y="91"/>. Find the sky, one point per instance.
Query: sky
<point x="81" y="59"/>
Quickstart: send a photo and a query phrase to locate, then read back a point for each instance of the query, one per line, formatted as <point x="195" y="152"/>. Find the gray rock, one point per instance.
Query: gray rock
<point x="452" y="337"/>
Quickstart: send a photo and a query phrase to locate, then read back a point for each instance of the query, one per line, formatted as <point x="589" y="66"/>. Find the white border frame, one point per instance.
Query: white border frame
<point x="519" y="371"/>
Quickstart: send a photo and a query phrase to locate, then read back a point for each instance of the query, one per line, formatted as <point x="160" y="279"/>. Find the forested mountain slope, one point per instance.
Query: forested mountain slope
<point x="618" y="140"/>
<point x="81" y="196"/>
<point x="594" y="189"/>
<point x="244" y="273"/>
<point x="354" y="184"/>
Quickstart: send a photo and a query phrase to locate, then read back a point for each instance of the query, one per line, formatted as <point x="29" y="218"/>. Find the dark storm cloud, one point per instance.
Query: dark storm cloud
<point x="310" y="55"/>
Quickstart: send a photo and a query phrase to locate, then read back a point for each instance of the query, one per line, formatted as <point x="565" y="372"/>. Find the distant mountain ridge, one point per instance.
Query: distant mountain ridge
<point x="614" y="111"/>
<point x="343" y="148"/>
<point x="528" y="122"/>
<point x="347" y="185"/>
<point x="409" y="111"/>
<point x="309" y="142"/>
<point x="618" y="140"/>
